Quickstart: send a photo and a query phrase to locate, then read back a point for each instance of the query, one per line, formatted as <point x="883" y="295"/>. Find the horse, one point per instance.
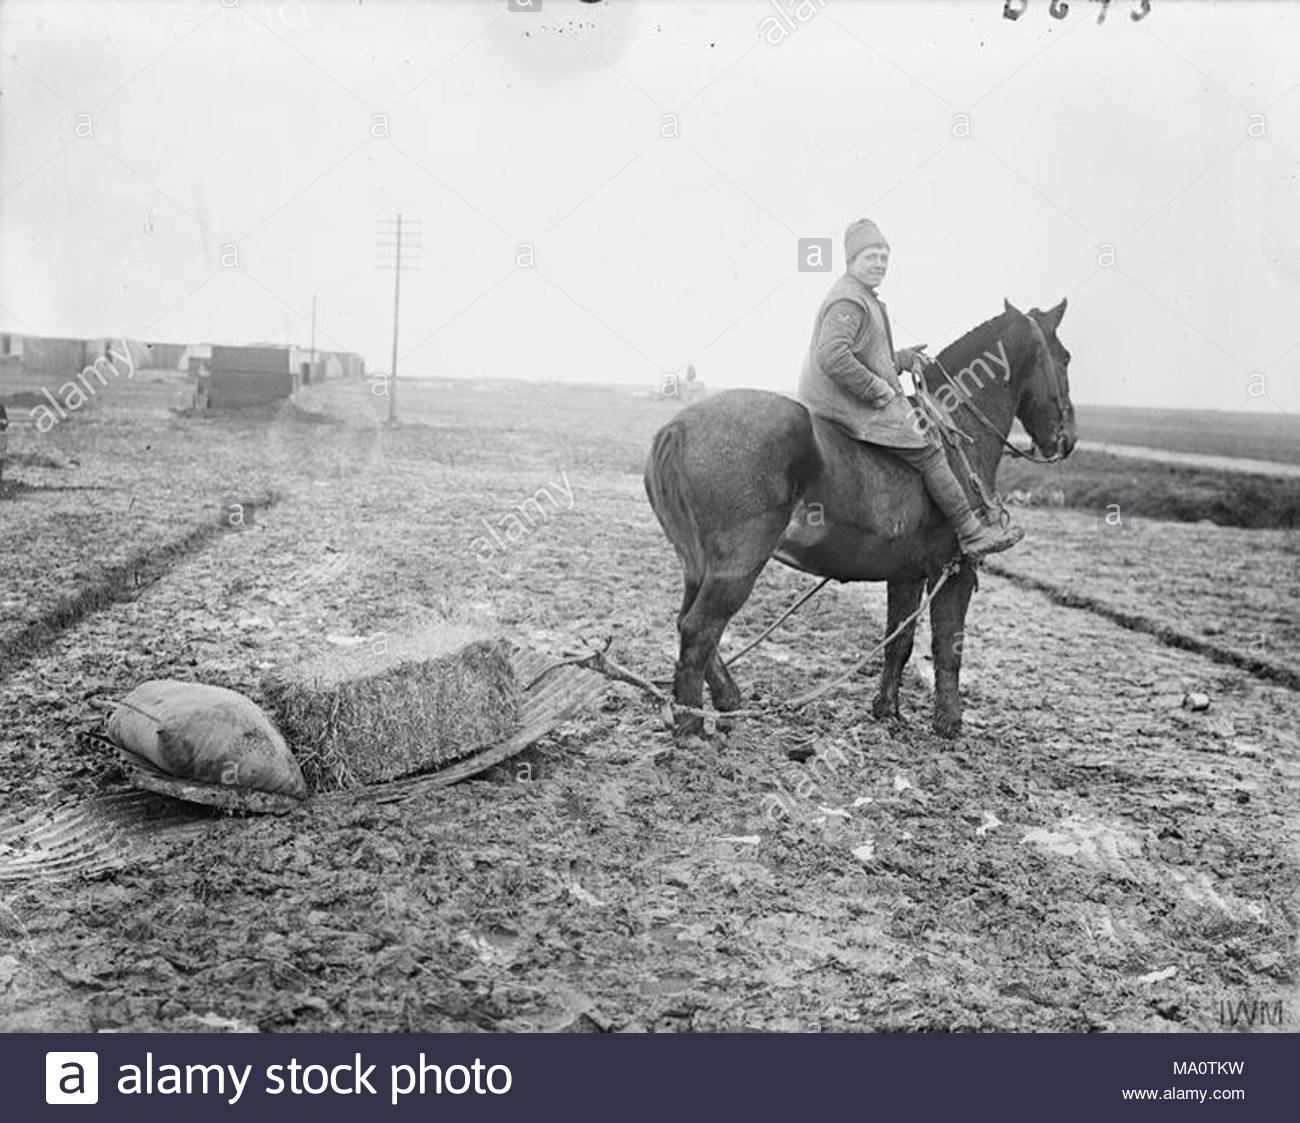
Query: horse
<point x="747" y="476"/>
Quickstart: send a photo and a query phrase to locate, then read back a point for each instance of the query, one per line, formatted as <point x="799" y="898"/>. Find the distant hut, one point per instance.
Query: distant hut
<point x="249" y="376"/>
<point x="327" y="366"/>
<point x="354" y="366"/>
<point x="238" y="377"/>
<point x="46" y="360"/>
<point x="161" y="356"/>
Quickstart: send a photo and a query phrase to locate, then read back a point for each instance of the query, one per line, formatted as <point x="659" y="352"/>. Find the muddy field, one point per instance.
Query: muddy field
<point x="1089" y="856"/>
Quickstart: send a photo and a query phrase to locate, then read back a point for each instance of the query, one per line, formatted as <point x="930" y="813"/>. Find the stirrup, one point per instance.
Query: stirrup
<point x="991" y="540"/>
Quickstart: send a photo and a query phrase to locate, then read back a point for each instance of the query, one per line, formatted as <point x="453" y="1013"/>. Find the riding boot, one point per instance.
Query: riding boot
<point x="976" y="539"/>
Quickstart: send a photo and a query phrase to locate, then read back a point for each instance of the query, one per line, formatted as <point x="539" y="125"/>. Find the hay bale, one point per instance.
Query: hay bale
<point x="205" y="734"/>
<point x="410" y="704"/>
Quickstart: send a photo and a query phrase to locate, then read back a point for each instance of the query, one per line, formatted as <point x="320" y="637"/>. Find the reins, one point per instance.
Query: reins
<point x="1054" y="388"/>
<point x="778" y="622"/>
<point x="953" y="436"/>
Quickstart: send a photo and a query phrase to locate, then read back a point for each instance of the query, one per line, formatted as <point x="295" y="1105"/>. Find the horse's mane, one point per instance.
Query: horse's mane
<point x="965" y="340"/>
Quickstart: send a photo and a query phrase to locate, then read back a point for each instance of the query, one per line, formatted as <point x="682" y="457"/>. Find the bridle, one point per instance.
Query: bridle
<point x="1055" y="389"/>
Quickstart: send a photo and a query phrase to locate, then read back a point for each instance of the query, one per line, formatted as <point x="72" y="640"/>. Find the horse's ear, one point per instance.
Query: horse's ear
<point x="1007" y="306"/>
<point x="1053" y="316"/>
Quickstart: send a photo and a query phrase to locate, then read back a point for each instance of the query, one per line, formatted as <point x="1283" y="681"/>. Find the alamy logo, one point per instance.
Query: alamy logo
<point x="72" y="1078"/>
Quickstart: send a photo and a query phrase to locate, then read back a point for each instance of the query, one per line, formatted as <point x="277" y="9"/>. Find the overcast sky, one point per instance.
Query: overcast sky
<point x="252" y="126"/>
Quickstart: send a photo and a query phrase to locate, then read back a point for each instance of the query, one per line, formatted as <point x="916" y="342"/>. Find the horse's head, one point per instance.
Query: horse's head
<point x="1043" y="401"/>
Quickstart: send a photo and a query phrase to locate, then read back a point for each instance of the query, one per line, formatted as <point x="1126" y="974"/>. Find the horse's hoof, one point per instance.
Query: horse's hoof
<point x="883" y="709"/>
<point x="726" y="700"/>
<point x="686" y="727"/>
<point x="948" y="728"/>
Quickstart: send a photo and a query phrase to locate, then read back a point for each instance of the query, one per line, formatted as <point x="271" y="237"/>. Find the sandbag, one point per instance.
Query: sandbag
<point x="205" y="734"/>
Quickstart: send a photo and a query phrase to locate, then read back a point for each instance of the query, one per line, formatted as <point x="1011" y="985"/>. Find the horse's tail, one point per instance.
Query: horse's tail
<point x="668" y="489"/>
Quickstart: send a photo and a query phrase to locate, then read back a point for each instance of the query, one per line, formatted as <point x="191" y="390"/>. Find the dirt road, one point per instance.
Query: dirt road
<point x="1242" y="464"/>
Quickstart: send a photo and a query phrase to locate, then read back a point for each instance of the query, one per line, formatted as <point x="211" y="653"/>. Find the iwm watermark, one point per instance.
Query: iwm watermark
<point x="1249" y="1015"/>
<point x="516" y="524"/>
<point x="74" y="395"/>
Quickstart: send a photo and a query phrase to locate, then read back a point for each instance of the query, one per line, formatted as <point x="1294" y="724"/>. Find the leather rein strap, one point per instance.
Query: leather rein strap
<point x="983" y="418"/>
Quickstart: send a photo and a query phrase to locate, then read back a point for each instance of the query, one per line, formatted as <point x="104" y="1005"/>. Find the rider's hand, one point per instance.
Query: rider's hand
<point x="882" y="395"/>
<point x="914" y="358"/>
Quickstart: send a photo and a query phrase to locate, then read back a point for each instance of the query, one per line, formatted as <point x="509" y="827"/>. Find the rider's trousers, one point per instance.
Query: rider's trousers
<point x="940" y="482"/>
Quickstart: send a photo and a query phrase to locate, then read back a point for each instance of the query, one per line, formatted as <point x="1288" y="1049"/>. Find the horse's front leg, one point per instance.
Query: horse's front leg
<point x="904" y="596"/>
<point x="948" y="631"/>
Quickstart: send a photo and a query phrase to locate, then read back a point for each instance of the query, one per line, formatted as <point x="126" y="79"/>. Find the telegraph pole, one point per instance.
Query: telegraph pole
<point x="397" y="304"/>
<point x="401" y="240"/>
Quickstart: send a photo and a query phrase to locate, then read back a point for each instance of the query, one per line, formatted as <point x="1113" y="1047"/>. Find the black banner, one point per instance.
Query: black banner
<point x="154" y="1076"/>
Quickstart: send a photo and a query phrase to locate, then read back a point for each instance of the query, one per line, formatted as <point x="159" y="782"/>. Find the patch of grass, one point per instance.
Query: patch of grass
<point x="1270" y="435"/>
<point x="1092" y="480"/>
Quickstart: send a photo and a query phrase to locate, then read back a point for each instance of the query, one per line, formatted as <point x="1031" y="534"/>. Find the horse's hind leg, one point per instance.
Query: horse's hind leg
<point x="689" y="593"/>
<point x="723" y="688"/>
<point x="718" y="600"/>
<point x="726" y="694"/>
<point x="904" y="596"/>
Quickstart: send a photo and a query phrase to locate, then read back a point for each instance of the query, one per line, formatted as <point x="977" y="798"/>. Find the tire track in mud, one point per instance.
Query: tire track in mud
<point x="1159" y="629"/>
<point x="123" y="581"/>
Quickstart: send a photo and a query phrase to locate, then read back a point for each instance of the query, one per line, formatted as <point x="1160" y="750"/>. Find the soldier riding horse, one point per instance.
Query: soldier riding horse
<point x="749" y="475"/>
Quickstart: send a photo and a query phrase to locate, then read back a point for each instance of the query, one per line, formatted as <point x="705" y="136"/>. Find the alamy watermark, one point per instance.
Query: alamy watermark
<point x="826" y="761"/>
<point x="74" y="395"/>
<point x="954" y="391"/>
<point x="517" y="523"/>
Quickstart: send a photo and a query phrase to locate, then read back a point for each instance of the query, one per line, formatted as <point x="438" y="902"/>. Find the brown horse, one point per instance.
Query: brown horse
<point x="748" y="475"/>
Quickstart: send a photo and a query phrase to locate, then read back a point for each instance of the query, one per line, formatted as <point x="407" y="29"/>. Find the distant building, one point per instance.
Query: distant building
<point x="328" y="366"/>
<point x="142" y="355"/>
<point x="225" y="377"/>
<point x="248" y="376"/>
<point x="44" y="356"/>
<point x="49" y="361"/>
<point x="195" y="357"/>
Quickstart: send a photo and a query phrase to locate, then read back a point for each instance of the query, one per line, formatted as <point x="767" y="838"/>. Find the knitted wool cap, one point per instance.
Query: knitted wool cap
<point x="859" y="236"/>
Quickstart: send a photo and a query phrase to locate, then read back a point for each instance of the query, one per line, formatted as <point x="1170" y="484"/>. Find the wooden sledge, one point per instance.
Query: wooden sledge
<point x="83" y="838"/>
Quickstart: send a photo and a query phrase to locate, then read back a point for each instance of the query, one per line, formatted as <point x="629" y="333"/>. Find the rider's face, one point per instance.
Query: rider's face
<point x="871" y="265"/>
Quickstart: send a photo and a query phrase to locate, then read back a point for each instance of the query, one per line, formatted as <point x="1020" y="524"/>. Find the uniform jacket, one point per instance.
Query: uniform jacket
<point x="850" y="360"/>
